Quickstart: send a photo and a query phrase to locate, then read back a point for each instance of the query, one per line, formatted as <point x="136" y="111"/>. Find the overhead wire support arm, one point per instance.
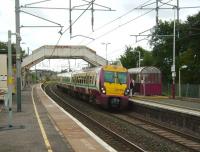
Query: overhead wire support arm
<point x="37" y="2"/>
<point x="145" y="5"/>
<point x="26" y="26"/>
<point x="98" y="4"/>
<point x="145" y="31"/>
<point x="152" y="35"/>
<point x="157" y="6"/>
<point x="91" y="5"/>
<point x="41" y="18"/>
<point x="166" y="3"/>
<point x="189" y="7"/>
<point x="82" y="36"/>
<point x="63" y="8"/>
<point x="88" y="3"/>
<point x="148" y="35"/>
<point x="76" y="7"/>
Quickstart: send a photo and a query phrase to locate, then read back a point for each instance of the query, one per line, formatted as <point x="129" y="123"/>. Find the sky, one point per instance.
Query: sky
<point x="114" y="27"/>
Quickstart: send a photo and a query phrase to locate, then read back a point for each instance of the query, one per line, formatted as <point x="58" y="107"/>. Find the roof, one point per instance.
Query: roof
<point x="150" y="69"/>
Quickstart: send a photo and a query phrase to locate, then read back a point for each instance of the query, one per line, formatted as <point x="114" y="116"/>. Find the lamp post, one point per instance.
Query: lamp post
<point x="139" y="58"/>
<point x="173" y="65"/>
<point x="179" y="87"/>
<point x="106" y="43"/>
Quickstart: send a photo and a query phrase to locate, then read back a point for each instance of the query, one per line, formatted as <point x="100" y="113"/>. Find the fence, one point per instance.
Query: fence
<point x="187" y="90"/>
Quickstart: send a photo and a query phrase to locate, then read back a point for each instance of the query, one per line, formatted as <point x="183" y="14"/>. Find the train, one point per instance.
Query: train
<point x="107" y="86"/>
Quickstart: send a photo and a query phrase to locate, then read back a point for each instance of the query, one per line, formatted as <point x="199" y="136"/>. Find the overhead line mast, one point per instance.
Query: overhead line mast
<point x="90" y="5"/>
<point x="18" y="55"/>
<point x="18" y="9"/>
<point x="176" y="9"/>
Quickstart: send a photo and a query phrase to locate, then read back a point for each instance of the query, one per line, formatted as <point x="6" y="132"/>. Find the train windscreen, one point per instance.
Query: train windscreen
<point x="121" y="77"/>
<point x="109" y="76"/>
<point x="115" y="77"/>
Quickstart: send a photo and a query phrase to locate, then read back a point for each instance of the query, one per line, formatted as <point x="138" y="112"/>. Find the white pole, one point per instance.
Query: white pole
<point x="139" y="58"/>
<point x="179" y="80"/>
<point x="10" y="79"/>
<point x="106" y="49"/>
<point x="173" y="66"/>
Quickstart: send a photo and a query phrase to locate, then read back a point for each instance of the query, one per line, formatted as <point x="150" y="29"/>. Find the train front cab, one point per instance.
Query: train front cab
<point x="114" y="88"/>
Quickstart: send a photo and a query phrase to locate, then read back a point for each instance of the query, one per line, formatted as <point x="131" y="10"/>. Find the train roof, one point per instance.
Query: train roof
<point x="66" y="74"/>
<point x="95" y="69"/>
<point x="117" y="68"/>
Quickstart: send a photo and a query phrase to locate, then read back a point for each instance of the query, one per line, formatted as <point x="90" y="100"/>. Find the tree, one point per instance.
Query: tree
<point x="130" y="58"/>
<point x="147" y="59"/>
<point x="187" y="48"/>
<point x="4" y="50"/>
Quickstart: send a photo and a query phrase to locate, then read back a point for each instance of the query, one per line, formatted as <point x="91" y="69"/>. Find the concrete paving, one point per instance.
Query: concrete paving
<point x="79" y="136"/>
<point x="25" y="135"/>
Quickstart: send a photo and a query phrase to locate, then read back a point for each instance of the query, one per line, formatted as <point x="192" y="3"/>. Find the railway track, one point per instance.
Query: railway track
<point x="112" y="138"/>
<point x="149" y="136"/>
<point x="176" y="136"/>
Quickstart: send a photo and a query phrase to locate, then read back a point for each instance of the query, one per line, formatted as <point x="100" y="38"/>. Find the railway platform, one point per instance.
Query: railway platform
<point x="44" y="126"/>
<point x="185" y="105"/>
<point x="175" y="113"/>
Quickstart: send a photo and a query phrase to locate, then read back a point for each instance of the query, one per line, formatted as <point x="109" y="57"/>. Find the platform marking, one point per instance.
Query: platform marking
<point x="95" y="137"/>
<point x="47" y="143"/>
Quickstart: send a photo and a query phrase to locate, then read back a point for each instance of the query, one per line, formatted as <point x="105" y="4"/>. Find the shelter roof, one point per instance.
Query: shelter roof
<point x="150" y="69"/>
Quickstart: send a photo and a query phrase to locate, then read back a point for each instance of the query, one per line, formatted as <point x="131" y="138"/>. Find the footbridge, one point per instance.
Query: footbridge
<point x="63" y="52"/>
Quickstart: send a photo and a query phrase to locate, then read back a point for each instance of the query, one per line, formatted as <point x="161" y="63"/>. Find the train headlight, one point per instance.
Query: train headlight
<point x="127" y="91"/>
<point x="103" y="90"/>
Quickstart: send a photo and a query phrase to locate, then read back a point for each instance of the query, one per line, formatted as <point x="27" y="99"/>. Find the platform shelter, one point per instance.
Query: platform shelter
<point x="147" y="80"/>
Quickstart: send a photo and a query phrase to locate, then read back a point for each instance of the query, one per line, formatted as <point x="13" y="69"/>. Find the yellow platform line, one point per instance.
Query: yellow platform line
<point x="46" y="141"/>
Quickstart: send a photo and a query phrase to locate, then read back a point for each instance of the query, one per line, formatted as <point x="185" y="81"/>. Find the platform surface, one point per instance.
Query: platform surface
<point x="81" y="139"/>
<point x="26" y="135"/>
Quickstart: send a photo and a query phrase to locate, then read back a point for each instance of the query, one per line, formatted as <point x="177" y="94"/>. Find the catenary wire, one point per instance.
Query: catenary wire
<point x="127" y="22"/>
<point x="119" y="26"/>
<point x="108" y="23"/>
<point x="69" y="27"/>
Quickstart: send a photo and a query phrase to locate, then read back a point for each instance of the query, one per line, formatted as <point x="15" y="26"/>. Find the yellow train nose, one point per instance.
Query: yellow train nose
<point x="115" y="89"/>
